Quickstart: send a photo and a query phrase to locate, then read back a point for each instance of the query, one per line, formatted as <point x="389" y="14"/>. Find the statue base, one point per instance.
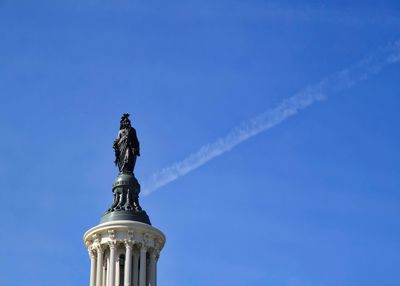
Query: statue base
<point x="125" y="204"/>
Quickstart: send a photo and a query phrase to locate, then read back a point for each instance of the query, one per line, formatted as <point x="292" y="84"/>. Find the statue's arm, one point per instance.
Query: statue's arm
<point x="117" y="139"/>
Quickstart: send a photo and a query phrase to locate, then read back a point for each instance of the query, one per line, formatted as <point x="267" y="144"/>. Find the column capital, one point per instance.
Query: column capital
<point x="155" y="253"/>
<point x="92" y="253"/>
<point x="143" y="246"/>
<point x="148" y="240"/>
<point x="157" y="247"/>
<point x="128" y="243"/>
<point x="98" y="248"/>
<point x="96" y="238"/>
<point x="112" y="243"/>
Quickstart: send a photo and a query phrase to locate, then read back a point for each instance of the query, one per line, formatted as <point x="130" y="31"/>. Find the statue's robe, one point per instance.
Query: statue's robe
<point x="127" y="149"/>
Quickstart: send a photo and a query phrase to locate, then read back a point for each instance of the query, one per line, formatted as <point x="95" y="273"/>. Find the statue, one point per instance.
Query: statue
<point x="126" y="188"/>
<point x="126" y="146"/>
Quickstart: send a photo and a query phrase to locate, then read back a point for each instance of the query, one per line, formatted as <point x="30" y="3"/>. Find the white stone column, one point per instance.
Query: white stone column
<point x="111" y="277"/>
<point x="142" y="274"/>
<point x="153" y="257"/>
<point x="104" y="279"/>
<point x="92" y="268"/>
<point x="135" y="274"/>
<point x="128" y="263"/>
<point x="99" y="272"/>
<point x="117" y="274"/>
<point x="155" y="267"/>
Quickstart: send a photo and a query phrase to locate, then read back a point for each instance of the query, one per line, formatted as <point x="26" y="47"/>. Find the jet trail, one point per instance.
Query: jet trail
<point x="337" y="82"/>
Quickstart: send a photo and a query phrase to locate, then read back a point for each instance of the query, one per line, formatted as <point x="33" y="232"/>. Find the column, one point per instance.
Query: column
<point x="142" y="274"/>
<point x="155" y="268"/>
<point x="148" y="270"/>
<point x="135" y="274"/>
<point x="111" y="277"/>
<point x="104" y="279"/>
<point x="107" y="268"/>
<point x="153" y="258"/>
<point x="117" y="274"/>
<point x="99" y="265"/>
<point x="128" y="263"/>
<point x="92" y="268"/>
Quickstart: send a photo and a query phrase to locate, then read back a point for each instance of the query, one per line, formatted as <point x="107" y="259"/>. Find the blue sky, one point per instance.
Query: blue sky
<point x="313" y="201"/>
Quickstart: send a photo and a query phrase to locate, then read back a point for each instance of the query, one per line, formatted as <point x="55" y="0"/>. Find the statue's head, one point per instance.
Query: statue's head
<point x="125" y="122"/>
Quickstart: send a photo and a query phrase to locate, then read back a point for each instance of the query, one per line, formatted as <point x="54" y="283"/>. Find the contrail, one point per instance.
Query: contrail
<point x="337" y="82"/>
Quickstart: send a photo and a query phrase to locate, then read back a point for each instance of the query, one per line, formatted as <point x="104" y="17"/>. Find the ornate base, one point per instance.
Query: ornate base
<point x="125" y="205"/>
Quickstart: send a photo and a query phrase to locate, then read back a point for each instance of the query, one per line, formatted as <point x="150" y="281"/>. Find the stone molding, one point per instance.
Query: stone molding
<point x="121" y="232"/>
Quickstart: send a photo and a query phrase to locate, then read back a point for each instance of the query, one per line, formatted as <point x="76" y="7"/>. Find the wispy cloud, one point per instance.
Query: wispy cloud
<point x="335" y="83"/>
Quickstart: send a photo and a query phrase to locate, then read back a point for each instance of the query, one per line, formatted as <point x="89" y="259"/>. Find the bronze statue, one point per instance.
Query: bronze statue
<point x="126" y="188"/>
<point x="126" y="146"/>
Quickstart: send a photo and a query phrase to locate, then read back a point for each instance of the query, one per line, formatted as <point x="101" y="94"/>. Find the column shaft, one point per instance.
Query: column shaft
<point x="106" y="269"/>
<point x="104" y="279"/>
<point x="92" y="268"/>
<point x="152" y="269"/>
<point x="99" y="271"/>
<point x="142" y="274"/>
<point x="117" y="274"/>
<point x="135" y="274"/>
<point x="111" y="277"/>
<point x="128" y="264"/>
<point x="155" y="271"/>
